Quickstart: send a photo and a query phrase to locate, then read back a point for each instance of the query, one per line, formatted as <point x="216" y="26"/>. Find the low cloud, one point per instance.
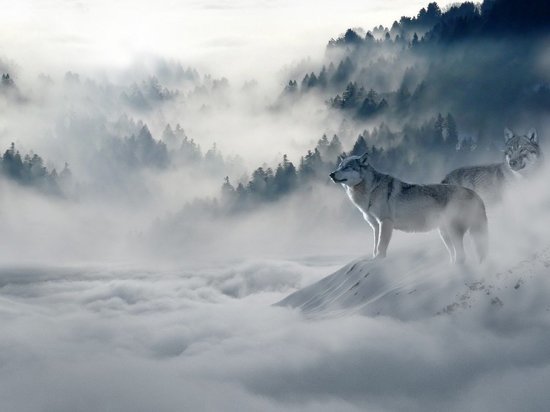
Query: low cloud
<point x="139" y="340"/>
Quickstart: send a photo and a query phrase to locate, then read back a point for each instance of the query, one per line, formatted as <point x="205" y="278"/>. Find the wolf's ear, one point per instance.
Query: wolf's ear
<point x="508" y="134"/>
<point x="532" y="135"/>
<point x="364" y="159"/>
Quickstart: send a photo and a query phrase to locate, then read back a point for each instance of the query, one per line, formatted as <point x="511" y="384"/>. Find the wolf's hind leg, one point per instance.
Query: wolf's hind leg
<point x="386" y="229"/>
<point x="448" y="243"/>
<point x="456" y="234"/>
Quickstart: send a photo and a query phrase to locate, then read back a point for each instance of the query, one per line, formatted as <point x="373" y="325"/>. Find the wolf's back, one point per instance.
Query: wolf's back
<point x="487" y="181"/>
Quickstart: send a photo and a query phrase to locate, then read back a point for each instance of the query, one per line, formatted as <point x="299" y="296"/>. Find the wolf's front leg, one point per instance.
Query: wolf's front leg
<point x="375" y="231"/>
<point x="386" y="229"/>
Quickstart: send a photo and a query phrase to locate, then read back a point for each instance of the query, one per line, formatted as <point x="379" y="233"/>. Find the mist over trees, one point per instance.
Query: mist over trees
<point x="393" y="151"/>
<point x="126" y="148"/>
<point x="269" y="184"/>
<point x="117" y="132"/>
<point x="429" y="93"/>
<point x="479" y="62"/>
<point x="29" y="170"/>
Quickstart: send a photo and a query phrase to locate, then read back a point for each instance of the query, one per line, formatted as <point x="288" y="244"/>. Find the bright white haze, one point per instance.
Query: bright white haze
<point x="227" y="38"/>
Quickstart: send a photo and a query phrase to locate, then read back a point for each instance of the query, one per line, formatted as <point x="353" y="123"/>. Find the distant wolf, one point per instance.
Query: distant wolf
<point x="388" y="203"/>
<point x="522" y="157"/>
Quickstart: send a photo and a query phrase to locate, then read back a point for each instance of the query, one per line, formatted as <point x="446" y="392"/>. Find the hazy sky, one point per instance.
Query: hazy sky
<point x="229" y="35"/>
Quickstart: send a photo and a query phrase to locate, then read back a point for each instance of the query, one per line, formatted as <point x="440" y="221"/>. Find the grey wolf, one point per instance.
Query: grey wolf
<point x="388" y="203"/>
<point x="522" y="157"/>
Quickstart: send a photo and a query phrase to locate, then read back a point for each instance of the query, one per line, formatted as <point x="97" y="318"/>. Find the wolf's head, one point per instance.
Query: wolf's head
<point x="350" y="170"/>
<point x="522" y="152"/>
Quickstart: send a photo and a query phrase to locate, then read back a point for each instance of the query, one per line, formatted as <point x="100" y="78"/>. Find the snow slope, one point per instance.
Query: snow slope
<point x="421" y="286"/>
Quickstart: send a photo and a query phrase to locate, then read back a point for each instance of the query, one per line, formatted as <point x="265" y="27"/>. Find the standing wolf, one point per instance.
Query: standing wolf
<point x="388" y="203"/>
<point x="522" y="156"/>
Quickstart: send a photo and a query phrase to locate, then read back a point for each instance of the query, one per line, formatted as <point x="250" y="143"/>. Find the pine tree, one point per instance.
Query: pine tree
<point x="169" y="137"/>
<point x="343" y="72"/>
<point x="312" y="80"/>
<point x="334" y="149"/>
<point x="370" y="105"/>
<point x="439" y="125"/>
<point x="291" y="87"/>
<point x="451" y="130"/>
<point x="305" y="82"/>
<point x="285" y="177"/>
<point x="323" y="78"/>
<point x="66" y="173"/>
<point x="228" y="191"/>
<point x="322" y="145"/>
<point x="349" y="97"/>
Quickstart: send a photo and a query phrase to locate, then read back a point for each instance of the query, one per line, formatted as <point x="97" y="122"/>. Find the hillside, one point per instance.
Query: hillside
<point x="424" y="285"/>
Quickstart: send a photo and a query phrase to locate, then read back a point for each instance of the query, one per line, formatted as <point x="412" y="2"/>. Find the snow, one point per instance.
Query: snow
<point x="421" y="286"/>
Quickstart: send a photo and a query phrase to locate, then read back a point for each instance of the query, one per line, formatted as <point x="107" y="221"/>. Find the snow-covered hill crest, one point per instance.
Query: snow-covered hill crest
<point x="425" y="285"/>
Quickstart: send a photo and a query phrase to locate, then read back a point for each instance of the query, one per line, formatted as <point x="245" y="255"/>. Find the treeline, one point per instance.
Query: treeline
<point x="9" y="89"/>
<point x="267" y="184"/>
<point x="136" y="151"/>
<point x="461" y="21"/>
<point x="419" y="153"/>
<point x="184" y="151"/>
<point x="367" y="105"/>
<point x="457" y="60"/>
<point x="117" y="160"/>
<point x="363" y="52"/>
<point x="146" y="95"/>
<point x="126" y="146"/>
<point x="361" y="103"/>
<point x="147" y="87"/>
<point x="416" y="153"/>
<point x="174" y="149"/>
<point x="29" y="170"/>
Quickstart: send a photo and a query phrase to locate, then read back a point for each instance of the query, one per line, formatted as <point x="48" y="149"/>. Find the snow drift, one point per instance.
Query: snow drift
<point x="398" y="288"/>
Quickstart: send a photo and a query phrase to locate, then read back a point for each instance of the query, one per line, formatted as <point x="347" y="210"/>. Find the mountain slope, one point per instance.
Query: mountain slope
<point x="423" y="285"/>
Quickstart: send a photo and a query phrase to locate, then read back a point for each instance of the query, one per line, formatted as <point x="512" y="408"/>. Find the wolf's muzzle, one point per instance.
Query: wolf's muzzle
<point x="333" y="177"/>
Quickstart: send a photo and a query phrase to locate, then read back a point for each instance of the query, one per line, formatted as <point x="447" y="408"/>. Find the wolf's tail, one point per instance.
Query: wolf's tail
<point x="480" y="233"/>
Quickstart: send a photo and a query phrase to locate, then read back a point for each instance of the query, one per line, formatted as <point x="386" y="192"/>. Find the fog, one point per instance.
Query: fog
<point x="235" y="35"/>
<point x="164" y="184"/>
<point x="206" y="337"/>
